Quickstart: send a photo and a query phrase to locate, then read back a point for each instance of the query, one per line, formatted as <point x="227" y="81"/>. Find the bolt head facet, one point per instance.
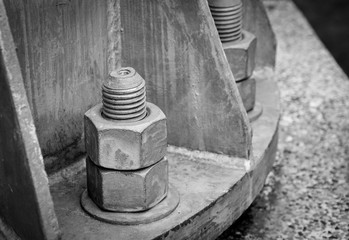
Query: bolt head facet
<point x="126" y="145"/>
<point x="247" y="90"/>
<point x="127" y="191"/>
<point x="241" y="55"/>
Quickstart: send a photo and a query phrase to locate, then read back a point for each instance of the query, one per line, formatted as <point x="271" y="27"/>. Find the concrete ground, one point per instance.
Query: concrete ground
<point x="330" y="20"/>
<point x="307" y="193"/>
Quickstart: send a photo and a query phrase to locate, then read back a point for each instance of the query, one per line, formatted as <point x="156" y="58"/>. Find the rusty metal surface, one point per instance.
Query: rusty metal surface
<point x="241" y="55"/>
<point x="64" y="60"/>
<point x="214" y="189"/>
<point x="124" y="95"/>
<point x="127" y="191"/>
<point x="176" y="47"/>
<point x="227" y="16"/>
<point x="247" y="90"/>
<point x="62" y="84"/>
<point x="256" y="21"/>
<point x="62" y="51"/>
<point x="25" y="200"/>
<point x="256" y="112"/>
<point x="161" y="210"/>
<point x="307" y="193"/>
<point x="126" y="145"/>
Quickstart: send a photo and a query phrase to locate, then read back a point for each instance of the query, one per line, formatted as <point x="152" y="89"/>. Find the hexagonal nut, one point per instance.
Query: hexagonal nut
<point x="125" y="145"/>
<point x="127" y="191"/>
<point x="247" y="90"/>
<point x="241" y="55"/>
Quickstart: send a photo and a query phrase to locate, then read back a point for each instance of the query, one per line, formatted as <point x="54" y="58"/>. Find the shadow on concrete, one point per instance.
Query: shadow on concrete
<point x="330" y="20"/>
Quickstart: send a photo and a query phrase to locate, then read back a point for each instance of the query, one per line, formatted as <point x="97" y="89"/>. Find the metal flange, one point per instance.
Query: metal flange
<point x="161" y="210"/>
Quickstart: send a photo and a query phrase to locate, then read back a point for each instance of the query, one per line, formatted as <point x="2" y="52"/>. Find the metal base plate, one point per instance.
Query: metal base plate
<point x="256" y="112"/>
<point x="161" y="210"/>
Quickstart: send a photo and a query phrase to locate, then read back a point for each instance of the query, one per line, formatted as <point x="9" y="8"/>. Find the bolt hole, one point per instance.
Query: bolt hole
<point x="124" y="72"/>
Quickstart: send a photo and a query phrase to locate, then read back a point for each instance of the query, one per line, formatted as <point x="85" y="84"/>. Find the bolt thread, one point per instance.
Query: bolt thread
<point x="228" y="20"/>
<point x="124" y="96"/>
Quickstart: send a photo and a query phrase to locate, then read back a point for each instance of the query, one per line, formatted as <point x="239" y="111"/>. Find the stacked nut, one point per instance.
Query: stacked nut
<point x="239" y="46"/>
<point x="126" y="141"/>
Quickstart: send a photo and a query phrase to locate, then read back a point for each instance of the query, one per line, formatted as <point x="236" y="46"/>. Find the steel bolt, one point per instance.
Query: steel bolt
<point x="124" y="95"/>
<point x="126" y="143"/>
<point x="239" y="46"/>
<point x="227" y="15"/>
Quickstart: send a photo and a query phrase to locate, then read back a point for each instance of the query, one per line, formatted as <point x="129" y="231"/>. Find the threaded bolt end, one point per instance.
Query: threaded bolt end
<point x="124" y="95"/>
<point x="227" y="15"/>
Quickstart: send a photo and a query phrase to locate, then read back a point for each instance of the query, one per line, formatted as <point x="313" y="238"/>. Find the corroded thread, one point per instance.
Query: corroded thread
<point x="227" y="16"/>
<point x="124" y="95"/>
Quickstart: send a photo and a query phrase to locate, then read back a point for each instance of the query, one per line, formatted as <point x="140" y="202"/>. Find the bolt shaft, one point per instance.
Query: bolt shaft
<point x="227" y="15"/>
<point x="124" y="96"/>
